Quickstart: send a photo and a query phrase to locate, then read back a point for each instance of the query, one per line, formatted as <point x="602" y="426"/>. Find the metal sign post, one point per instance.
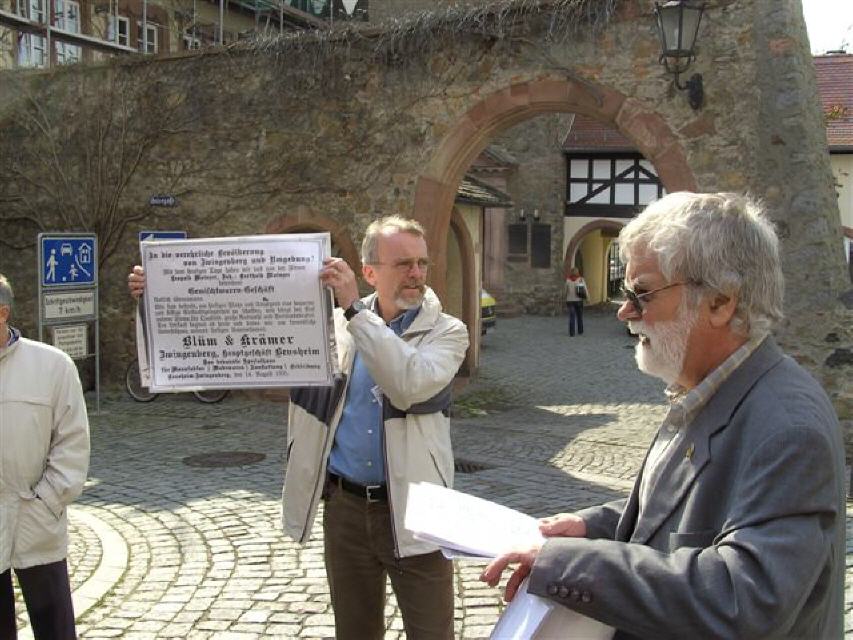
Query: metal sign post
<point x="68" y="295"/>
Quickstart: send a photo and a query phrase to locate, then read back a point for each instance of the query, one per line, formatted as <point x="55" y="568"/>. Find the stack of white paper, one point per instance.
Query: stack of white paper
<point x="466" y="526"/>
<point x="463" y="525"/>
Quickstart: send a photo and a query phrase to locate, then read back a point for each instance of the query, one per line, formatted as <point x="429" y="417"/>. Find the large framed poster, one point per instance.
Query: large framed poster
<point x="243" y="312"/>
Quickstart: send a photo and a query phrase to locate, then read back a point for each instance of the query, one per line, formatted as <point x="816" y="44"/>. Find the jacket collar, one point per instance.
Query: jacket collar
<point x="9" y="345"/>
<point x="425" y="320"/>
<point x="692" y="453"/>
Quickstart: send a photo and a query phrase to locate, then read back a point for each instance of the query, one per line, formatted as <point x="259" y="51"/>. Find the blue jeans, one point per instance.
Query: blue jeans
<point x="575" y="315"/>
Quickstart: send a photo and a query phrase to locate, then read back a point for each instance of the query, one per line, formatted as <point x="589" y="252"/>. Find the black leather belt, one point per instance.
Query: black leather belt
<point x="370" y="492"/>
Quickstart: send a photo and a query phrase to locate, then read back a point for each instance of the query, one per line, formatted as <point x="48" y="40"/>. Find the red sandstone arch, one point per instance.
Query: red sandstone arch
<point x="581" y="233"/>
<point x="306" y="222"/>
<point x="436" y="187"/>
<point x="470" y="296"/>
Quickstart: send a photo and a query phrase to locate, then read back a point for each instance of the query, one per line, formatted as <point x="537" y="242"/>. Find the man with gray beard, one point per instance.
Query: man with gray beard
<point x="735" y="527"/>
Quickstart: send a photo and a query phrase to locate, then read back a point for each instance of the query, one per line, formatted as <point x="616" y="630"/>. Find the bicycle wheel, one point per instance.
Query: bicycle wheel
<point x="133" y="384"/>
<point x="211" y="396"/>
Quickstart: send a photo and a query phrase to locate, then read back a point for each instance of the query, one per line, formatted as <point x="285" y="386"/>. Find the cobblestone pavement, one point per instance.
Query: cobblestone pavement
<point x="161" y="549"/>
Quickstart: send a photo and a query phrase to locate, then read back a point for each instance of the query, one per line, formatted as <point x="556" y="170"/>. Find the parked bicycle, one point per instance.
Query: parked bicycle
<point x="133" y="384"/>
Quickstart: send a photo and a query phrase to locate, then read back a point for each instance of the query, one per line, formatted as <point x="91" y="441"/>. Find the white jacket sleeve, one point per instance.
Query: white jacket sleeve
<point x="68" y="457"/>
<point x="410" y="372"/>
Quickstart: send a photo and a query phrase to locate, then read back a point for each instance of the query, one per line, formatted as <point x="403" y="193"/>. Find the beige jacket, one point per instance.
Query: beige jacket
<point x="44" y="452"/>
<point x="571" y="289"/>
<point x="415" y="372"/>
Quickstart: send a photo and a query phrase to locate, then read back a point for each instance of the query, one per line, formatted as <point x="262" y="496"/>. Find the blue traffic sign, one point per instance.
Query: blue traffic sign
<point x="68" y="260"/>
<point x="162" y="235"/>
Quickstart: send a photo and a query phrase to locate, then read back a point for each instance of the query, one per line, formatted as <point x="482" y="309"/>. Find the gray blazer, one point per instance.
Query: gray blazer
<point x="744" y="533"/>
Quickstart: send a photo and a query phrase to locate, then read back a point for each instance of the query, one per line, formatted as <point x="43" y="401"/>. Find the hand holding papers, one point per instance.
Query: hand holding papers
<point x="463" y="526"/>
<point x="246" y="312"/>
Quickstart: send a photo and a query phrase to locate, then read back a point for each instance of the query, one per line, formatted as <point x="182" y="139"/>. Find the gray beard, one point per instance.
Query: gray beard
<point x="405" y="304"/>
<point x="664" y="357"/>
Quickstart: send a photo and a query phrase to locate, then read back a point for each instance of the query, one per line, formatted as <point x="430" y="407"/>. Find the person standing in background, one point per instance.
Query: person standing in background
<point x="44" y="459"/>
<point x="576" y="293"/>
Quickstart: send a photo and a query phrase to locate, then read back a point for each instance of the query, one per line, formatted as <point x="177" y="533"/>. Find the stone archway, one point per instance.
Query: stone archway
<point x="470" y="309"/>
<point x="596" y="271"/>
<point x="577" y="238"/>
<point x="437" y="184"/>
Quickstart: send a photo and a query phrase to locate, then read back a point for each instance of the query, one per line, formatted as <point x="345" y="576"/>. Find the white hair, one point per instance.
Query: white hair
<point x="6" y="295"/>
<point x="386" y="225"/>
<point x="723" y="242"/>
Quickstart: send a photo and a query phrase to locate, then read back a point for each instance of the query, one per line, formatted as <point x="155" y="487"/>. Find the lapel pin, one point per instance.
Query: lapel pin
<point x="689" y="453"/>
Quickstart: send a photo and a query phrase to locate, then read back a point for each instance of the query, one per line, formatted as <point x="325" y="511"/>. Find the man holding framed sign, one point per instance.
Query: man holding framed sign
<point x="384" y="423"/>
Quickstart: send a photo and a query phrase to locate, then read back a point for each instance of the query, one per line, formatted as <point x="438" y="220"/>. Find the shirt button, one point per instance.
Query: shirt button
<point x="370" y="431"/>
<point x="369" y="463"/>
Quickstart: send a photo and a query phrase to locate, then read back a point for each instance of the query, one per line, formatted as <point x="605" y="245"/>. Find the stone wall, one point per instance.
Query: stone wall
<point x="538" y="184"/>
<point x="350" y="127"/>
<point x="384" y="9"/>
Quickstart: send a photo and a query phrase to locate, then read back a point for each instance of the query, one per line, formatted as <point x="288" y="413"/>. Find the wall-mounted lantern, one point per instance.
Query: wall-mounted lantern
<point x="521" y="217"/>
<point x="536" y="215"/>
<point x="678" y="23"/>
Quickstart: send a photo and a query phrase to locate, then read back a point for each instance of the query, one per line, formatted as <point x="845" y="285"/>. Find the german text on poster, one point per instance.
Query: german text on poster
<point x="246" y="312"/>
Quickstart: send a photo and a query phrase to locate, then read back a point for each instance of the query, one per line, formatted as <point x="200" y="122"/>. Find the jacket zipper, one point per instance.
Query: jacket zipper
<point x="397" y="554"/>
<point x="388" y="488"/>
<point x="321" y="465"/>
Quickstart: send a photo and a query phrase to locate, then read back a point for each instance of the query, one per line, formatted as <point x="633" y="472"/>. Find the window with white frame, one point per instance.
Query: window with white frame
<point x="621" y="183"/>
<point x="31" y="51"/>
<point x="32" y="48"/>
<point x="120" y="35"/>
<point x="32" y="9"/>
<point x="66" y="16"/>
<point x="152" y="37"/>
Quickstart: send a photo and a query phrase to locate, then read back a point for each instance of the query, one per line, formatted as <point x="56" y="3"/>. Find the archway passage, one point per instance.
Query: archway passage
<point x="647" y="130"/>
<point x="463" y="294"/>
<point x="589" y="249"/>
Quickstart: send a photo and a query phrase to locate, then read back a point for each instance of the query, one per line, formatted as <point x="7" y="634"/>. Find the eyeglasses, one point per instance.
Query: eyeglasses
<point x="405" y="265"/>
<point x="636" y="298"/>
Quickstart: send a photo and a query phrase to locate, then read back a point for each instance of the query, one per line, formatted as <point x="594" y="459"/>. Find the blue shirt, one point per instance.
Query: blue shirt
<point x="13" y="336"/>
<point x="358" y="452"/>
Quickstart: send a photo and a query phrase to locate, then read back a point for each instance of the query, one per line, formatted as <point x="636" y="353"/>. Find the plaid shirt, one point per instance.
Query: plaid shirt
<point x="684" y="406"/>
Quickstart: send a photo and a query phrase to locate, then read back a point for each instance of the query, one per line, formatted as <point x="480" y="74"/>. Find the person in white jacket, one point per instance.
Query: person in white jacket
<point x="44" y="459"/>
<point x="356" y="446"/>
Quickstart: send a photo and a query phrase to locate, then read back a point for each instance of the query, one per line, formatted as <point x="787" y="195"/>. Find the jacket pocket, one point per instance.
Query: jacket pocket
<point x="27" y="421"/>
<point x="440" y="469"/>
<point x="40" y="535"/>
<point x="438" y="445"/>
<point x="691" y="539"/>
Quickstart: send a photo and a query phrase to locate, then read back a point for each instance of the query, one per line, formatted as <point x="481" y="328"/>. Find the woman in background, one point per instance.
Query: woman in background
<point x="575" y="295"/>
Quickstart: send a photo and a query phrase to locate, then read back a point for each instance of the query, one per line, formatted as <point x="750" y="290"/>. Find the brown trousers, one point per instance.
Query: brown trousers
<point x="359" y="553"/>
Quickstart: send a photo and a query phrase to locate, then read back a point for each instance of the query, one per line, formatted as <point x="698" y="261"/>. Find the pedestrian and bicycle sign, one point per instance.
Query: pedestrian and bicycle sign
<point x="68" y="294"/>
<point x="68" y="260"/>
